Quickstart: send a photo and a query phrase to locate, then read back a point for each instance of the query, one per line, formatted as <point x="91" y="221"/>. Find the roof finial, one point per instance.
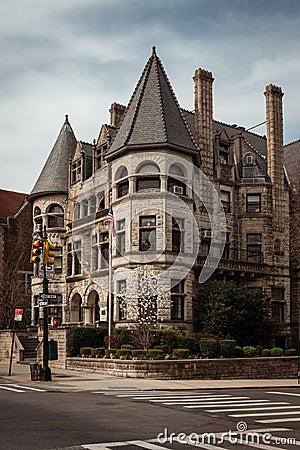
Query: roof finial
<point x="154" y="51"/>
<point x="66" y="118"/>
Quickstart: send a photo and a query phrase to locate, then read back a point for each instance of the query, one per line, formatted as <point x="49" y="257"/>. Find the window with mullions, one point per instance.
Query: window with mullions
<point x="176" y="186"/>
<point x="224" y="154"/>
<point x="226" y="251"/>
<point x="225" y="200"/>
<point x="55" y="216"/>
<point x="145" y="184"/>
<point x="104" y="249"/>
<point x="76" y="171"/>
<point x="69" y="260"/>
<point x="95" y="253"/>
<point x="147" y="233"/>
<point x="253" y="203"/>
<point x="58" y="260"/>
<point x="123" y="188"/>
<point x="121" y="292"/>
<point x="77" y="257"/>
<point x="177" y="235"/>
<point x="177" y="300"/>
<point x="254" y="253"/>
<point x="120" y="237"/>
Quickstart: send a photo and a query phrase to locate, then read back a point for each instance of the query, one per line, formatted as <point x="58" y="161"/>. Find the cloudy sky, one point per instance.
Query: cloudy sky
<point x="78" y="56"/>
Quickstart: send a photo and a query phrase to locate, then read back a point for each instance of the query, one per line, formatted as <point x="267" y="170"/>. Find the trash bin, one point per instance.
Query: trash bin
<point x="35" y="371"/>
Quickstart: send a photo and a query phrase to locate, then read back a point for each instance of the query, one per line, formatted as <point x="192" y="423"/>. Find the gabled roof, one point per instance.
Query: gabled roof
<point x="10" y="203"/>
<point x="54" y="176"/>
<point x="153" y="117"/>
<point x="292" y="162"/>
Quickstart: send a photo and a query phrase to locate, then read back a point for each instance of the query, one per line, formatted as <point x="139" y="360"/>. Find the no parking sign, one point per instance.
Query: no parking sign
<point x="18" y="314"/>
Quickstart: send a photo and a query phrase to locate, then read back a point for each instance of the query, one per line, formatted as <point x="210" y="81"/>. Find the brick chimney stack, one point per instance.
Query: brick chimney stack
<point x="274" y="120"/>
<point x="117" y="113"/>
<point x="203" y="81"/>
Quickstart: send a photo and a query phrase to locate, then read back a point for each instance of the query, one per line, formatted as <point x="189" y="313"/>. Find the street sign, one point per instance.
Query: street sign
<point x="18" y="314"/>
<point x="43" y="303"/>
<point x="49" y="271"/>
<point x="48" y="296"/>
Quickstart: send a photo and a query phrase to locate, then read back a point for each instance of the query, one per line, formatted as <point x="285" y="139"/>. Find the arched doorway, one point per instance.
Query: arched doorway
<point x="93" y="310"/>
<point x="76" y="308"/>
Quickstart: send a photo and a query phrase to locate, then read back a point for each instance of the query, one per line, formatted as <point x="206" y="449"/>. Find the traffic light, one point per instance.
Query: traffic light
<point x="48" y="254"/>
<point x="36" y="250"/>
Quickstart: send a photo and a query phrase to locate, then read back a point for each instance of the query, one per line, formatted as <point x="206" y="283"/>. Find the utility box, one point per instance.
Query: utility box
<point x="52" y="347"/>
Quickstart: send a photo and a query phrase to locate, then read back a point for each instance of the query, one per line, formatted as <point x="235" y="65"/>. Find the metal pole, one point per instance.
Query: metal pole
<point x="46" y="373"/>
<point x="110" y="284"/>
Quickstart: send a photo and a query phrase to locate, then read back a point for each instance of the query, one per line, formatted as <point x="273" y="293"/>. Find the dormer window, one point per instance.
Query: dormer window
<point x="76" y="171"/>
<point x="224" y="154"/>
<point x="99" y="156"/>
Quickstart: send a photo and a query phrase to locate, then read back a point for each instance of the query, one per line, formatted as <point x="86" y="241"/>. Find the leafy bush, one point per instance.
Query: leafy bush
<point x="110" y="352"/>
<point x="249" y="351"/>
<point x="155" y="353"/>
<point x="181" y="353"/>
<point x="166" y="338"/>
<point x="123" y="353"/>
<point x="191" y="343"/>
<point x="138" y="353"/>
<point x="238" y="352"/>
<point x="227" y="347"/>
<point x="85" y="351"/>
<point x="209" y="348"/>
<point x="291" y="352"/>
<point x="98" y="352"/>
<point x="127" y="346"/>
<point x="276" y="351"/>
<point x="266" y="352"/>
<point x="84" y="337"/>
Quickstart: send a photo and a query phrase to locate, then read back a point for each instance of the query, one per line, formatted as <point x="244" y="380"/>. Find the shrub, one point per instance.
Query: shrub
<point x="155" y="353"/>
<point x="238" y="352"/>
<point x="276" y="351"/>
<point x="84" y="337"/>
<point x="166" y="338"/>
<point x="98" y="352"/>
<point x="181" y="353"/>
<point x="266" y="352"/>
<point x="110" y="352"/>
<point x="127" y="346"/>
<point x="85" y="351"/>
<point x="138" y="353"/>
<point x="191" y="343"/>
<point x="227" y="347"/>
<point x="291" y="352"/>
<point x="249" y="351"/>
<point x="123" y="353"/>
<point x="209" y="348"/>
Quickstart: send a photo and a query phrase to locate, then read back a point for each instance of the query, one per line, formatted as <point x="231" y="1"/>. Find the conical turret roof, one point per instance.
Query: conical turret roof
<point x="54" y="177"/>
<point x="153" y="116"/>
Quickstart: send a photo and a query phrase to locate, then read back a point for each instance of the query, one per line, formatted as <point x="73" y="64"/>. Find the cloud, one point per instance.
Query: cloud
<point x="78" y="57"/>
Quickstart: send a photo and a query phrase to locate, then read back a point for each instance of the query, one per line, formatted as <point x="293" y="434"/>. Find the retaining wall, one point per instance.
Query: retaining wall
<point x="205" y="369"/>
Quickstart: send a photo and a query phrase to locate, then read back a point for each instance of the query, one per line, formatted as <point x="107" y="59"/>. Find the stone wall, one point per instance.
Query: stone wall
<point x="5" y="347"/>
<point x="205" y="369"/>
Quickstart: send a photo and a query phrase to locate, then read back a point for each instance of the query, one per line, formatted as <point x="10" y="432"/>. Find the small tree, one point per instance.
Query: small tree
<point x="141" y="300"/>
<point x="232" y="312"/>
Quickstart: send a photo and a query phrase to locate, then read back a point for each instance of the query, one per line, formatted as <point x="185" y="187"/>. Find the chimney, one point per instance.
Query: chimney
<point x="117" y="113"/>
<point x="274" y="120"/>
<point x="203" y="81"/>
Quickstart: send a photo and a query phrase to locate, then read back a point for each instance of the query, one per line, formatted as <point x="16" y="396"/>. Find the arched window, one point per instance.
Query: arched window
<point x="37" y="217"/>
<point x="76" y="308"/>
<point x="55" y="216"/>
<point x="122" y="172"/>
<point x="148" y="168"/>
<point x="175" y="169"/>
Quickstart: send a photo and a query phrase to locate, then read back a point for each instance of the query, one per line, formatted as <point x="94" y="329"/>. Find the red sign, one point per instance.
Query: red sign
<point x="18" y="315"/>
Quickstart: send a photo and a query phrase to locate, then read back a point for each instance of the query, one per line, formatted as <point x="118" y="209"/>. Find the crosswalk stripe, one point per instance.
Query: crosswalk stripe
<point x="167" y="397"/>
<point x="195" y="399"/>
<point x="241" y="402"/>
<point x="290" y="419"/>
<point x="284" y="393"/>
<point x="255" y="409"/>
<point x="206" y="400"/>
<point x="7" y="388"/>
<point x="146" y="444"/>
<point x="27" y="388"/>
<point x="278" y="413"/>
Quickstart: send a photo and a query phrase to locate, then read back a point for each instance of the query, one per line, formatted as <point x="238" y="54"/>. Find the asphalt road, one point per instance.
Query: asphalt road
<point x="37" y="420"/>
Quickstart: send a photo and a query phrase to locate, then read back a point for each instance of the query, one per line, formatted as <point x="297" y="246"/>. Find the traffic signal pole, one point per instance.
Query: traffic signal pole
<point x="46" y="371"/>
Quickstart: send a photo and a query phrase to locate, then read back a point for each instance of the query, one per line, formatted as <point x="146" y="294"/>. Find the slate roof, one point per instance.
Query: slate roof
<point x="10" y="203"/>
<point x="153" y="117"/>
<point x="292" y="162"/>
<point x="54" y="176"/>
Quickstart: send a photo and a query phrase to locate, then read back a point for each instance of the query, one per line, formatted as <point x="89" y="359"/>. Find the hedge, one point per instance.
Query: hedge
<point x="181" y="353"/>
<point x="227" y="347"/>
<point x="84" y="337"/>
<point x="209" y="348"/>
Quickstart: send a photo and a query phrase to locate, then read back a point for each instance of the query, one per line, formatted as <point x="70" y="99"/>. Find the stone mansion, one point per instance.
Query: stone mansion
<point x="184" y="190"/>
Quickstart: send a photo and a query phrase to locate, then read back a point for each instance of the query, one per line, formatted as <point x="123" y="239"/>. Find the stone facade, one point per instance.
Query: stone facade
<point x="159" y="167"/>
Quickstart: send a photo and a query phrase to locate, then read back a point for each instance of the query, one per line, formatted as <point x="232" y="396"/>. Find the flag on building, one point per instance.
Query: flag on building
<point x="110" y="219"/>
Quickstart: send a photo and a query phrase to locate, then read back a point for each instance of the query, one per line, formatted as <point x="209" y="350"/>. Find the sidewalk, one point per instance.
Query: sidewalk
<point x="82" y="381"/>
